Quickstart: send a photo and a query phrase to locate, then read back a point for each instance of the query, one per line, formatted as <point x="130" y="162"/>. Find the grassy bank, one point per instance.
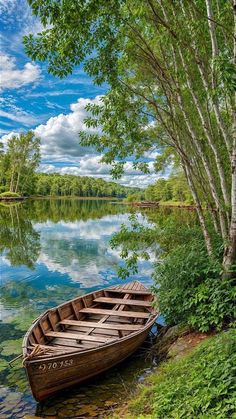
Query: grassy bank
<point x="199" y="384"/>
<point x="10" y="196"/>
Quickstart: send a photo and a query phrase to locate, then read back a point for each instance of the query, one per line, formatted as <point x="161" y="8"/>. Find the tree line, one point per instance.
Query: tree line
<point x="19" y="161"/>
<point x="175" y="189"/>
<point x="83" y="186"/>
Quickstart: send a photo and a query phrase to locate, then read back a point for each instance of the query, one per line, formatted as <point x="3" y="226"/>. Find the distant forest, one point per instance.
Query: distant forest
<point x="19" y="162"/>
<point x="70" y="185"/>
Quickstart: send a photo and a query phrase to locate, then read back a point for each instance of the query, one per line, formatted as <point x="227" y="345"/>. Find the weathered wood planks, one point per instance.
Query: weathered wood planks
<point x="127" y="291"/>
<point x="113" y="326"/>
<point x="121" y="301"/>
<point x="77" y="336"/>
<point x="133" y="314"/>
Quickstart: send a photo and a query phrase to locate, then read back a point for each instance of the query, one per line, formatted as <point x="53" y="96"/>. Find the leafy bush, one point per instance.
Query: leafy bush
<point x="190" y="288"/>
<point x="9" y="194"/>
<point x="134" y="197"/>
<point x="200" y="385"/>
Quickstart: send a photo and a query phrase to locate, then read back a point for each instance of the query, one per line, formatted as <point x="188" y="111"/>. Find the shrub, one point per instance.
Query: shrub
<point x="190" y="289"/>
<point x="134" y="197"/>
<point x="9" y="194"/>
<point x="200" y="385"/>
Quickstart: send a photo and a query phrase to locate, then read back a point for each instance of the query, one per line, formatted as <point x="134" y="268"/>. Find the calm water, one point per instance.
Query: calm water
<point x="51" y="251"/>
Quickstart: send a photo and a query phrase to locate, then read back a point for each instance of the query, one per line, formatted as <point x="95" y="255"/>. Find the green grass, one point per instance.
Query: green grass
<point x="9" y="194"/>
<point x="199" y="385"/>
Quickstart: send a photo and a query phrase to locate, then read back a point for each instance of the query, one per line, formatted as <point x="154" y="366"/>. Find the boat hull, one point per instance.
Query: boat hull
<point x="48" y="376"/>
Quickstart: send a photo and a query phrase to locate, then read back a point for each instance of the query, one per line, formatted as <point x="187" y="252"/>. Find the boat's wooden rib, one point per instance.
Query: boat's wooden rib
<point x="130" y="302"/>
<point x="82" y="337"/>
<point x="133" y="314"/>
<point x="112" y="326"/>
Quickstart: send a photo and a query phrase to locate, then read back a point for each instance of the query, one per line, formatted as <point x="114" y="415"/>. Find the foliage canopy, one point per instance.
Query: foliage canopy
<point x="171" y="75"/>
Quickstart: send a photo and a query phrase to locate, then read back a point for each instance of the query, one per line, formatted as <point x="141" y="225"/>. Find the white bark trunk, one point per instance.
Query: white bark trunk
<point x="207" y="134"/>
<point x="206" y="167"/>
<point x="230" y="251"/>
<point x="199" y="210"/>
<point x="212" y="29"/>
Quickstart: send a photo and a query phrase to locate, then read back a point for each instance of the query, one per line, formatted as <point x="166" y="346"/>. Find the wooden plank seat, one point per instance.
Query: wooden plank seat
<point x="133" y="314"/>
<point x="78" y="337"/>
<point x="113" y="326"/>
<point x="122" y="301"/>
<point x="127" y="291"/>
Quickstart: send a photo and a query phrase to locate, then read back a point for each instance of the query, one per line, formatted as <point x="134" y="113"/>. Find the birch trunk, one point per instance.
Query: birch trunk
<point x="199" y="210"/>
<point x="207" y="133"/>
<point x="211" y="180"/>
<point x="17" y="182"/>
<point x="229" y="261"/>
<point x="212" y="29"/>
<point x="12" y="182"/>
<point x="215" y="52"/>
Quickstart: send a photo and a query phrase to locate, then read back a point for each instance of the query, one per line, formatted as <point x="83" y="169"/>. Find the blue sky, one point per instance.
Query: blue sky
<point x="53" y="108"/>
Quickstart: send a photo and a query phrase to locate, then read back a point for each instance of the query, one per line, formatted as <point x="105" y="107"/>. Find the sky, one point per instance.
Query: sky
<point x="53" y="108"/>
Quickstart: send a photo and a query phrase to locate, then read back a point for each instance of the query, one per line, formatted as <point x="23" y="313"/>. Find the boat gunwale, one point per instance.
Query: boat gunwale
<point x="150" y="322"/>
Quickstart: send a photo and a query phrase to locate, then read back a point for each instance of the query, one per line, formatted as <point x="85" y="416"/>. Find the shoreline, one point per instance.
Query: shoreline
<point x="176" y="378"/>
<point x="54" y="197"/>
<point x="149" y="204"/>
<point x="13" y="198"/>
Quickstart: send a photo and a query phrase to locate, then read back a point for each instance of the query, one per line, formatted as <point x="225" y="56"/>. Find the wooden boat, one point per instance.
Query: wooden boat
<point x="86" y="336"/>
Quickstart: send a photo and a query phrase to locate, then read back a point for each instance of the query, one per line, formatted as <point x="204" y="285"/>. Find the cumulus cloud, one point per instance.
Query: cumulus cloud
<point x="62" y="153"/>
<point x="90" y="166"/>
<point x="59" y="136"/>
<point x="12" y="78"/>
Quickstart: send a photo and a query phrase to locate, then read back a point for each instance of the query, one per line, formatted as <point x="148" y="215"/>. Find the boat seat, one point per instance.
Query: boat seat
<point x="78" y="337"/>
<point x="127" y="291"/>
<point x="114" y="326"/>
<point x="121" y="313"/>
<point x="122" y="301"/>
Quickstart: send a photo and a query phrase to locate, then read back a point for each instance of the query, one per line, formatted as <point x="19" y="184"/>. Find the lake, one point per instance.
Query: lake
<point x="50" y="251"/>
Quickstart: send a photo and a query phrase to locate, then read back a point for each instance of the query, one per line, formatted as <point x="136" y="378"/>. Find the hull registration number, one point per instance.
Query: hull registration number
<point x="55" y="365"/>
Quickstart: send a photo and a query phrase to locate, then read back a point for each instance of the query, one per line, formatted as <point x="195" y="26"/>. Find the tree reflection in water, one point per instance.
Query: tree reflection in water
<point x="19" y="242"/>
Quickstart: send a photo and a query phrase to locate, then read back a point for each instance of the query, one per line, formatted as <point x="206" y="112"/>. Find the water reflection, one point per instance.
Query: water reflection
<point x="19" y="241"/>
<point x="50" y="251"/>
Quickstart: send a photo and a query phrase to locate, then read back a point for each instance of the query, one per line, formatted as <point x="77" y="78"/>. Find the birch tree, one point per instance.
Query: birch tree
<point x="170" y="67"/>
<point x="21" y="158"/>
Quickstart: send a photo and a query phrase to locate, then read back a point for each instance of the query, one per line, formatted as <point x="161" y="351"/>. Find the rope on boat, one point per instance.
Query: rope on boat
<point x="15" y="359"/>
<point x="37" y="351"/>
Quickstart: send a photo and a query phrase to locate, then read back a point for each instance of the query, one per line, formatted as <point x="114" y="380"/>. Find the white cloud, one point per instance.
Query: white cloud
<point x="55" y="93"/>
<point x="12" y="78"/>
<point x="60" y="135"/>
<point x="60" y="144"/>
<point x="19" y="116"/>
<point x="90" y="266"/>
<point x="7" y="6"/>
<point x="91" y="166"/>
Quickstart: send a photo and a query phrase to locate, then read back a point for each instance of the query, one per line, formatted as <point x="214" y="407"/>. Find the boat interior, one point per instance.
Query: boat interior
<point x="91" y="320"/>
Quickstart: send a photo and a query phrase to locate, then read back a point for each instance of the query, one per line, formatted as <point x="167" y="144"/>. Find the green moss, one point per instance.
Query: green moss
<point x="11" y="347"/>
<point x="3" y="365"/>
<point x="199" y="385"/>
